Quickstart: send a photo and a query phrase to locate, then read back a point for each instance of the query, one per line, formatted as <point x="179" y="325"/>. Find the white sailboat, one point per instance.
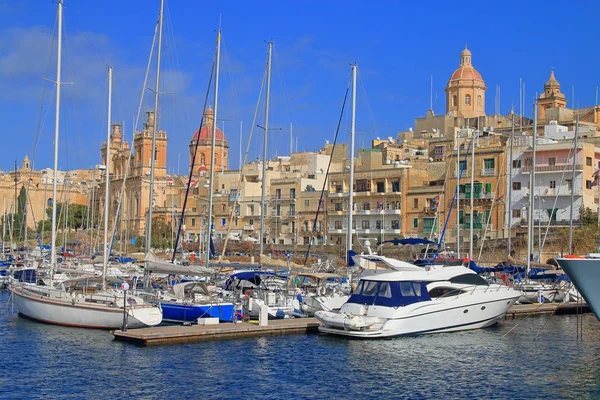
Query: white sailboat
<point x="85" y="302"/>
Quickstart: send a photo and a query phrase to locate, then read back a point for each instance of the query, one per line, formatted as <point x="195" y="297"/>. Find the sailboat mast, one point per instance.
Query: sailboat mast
<point x="573" y="185"/>
<point x="107" y="183"/>
<point x="263" y="209"/>
<point x="56" y="130"/>
<point x="351" y="180"/>
<point x="458" y="175"/>
<point x="3" y="226"/>
<point x="154" y="130"/>
<point x="530" y="230"/>
<point x="209" y="223"/>
<point x="473" y="184"/>
<point x="510" y="179"/>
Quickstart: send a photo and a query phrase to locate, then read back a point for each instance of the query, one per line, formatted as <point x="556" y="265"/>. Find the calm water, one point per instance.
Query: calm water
<point x="540" y="358"/>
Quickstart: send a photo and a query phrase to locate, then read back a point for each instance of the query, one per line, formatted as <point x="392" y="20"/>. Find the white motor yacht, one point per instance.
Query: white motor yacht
<point x="411" y="300"/>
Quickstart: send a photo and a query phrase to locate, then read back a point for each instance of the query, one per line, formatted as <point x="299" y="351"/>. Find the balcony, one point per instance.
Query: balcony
<point x="488" y="172"/>
<point x="283" y="198"/>
<point x="551" y="168"/>
<point x="536" y="222"/>
<point x="248" y="227"/>
<point x="478" y="195"/>
<point x="465" y="173"/>
<point x="553" y="192"/>
<point x="429" y="209"/>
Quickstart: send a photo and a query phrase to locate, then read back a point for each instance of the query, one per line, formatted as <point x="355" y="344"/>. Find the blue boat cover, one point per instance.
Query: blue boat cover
<point x="410" y="241"/>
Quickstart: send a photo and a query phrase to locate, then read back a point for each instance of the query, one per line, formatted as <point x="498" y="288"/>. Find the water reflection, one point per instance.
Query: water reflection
<point x="539" y="358"/>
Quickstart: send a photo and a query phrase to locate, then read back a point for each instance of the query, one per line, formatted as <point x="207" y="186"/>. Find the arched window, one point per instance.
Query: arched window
<point x="202" y="159"/>
<point x="455" y="100"/>
<point x="468" y="99"/>
<point x="479" y="101"/>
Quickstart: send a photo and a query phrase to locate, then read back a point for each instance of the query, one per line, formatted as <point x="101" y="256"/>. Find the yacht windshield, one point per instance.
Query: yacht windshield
<point x="389" y="294"/>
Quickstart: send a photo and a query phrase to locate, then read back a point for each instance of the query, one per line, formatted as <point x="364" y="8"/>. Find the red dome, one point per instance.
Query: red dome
<point x="465" y="72"/>
<point x="206" y="134"/>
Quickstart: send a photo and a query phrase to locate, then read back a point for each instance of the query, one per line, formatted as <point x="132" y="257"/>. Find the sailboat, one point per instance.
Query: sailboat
<point x="86" y="302"/>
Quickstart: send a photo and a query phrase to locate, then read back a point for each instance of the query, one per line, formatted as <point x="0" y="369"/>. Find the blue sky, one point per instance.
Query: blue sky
<point x="397" y="45"/>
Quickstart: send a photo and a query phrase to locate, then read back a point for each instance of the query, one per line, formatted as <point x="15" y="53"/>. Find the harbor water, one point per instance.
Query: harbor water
<point x="539" y="358"/>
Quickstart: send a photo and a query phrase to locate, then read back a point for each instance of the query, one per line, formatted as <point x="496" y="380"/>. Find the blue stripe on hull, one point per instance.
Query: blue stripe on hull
<point x="190" y="313"/>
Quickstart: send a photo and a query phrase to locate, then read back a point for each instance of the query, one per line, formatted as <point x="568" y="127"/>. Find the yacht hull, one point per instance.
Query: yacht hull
<point x="70" y="313"/>
<point x="585" y="274"/>
<point x="433" y="317"/>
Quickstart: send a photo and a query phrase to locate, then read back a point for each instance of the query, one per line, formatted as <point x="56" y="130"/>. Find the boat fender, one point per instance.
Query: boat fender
<point x="249" y="294"/>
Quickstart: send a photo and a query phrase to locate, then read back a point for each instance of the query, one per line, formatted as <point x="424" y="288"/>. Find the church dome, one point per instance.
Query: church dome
<point x="466" y="69"/>
<point x="552" y="83"/>
<point x="205" y="133"/>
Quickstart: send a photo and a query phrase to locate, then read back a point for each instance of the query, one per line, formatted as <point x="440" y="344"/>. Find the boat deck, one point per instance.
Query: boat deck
<point x="196" y="333"/>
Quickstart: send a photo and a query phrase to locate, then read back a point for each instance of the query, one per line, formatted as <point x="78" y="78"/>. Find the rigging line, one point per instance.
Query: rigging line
<point x="284" y="87"/>
<point x="187" y="190"/>
<point x="236" y="98"/>
<point x="321" y="197"/>
<point x="175" y="60"/>
<point x="75" y="94"/>
<point x="129" y="155"/>
<point x="490" y="214"/>
<point x="40" y="117"/>
<point x="362" y="84"/>
<point x="241" y="174"/>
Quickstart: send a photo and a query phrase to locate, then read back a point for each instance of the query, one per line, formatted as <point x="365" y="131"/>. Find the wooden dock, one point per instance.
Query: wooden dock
<point x="526" y="310"/>
<point x="196" y="333"/>
<point x="172" y="334"/>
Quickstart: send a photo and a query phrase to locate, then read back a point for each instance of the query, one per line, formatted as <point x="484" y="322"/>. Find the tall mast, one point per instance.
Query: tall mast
<point x="209" y="224"/>
<point x="107" y="183"/>
<point x="351" y="180"/>
<point x="573" y="186"/>
<point x="472" y="185"/>
<point x="458" y="174"/>
<point x="3" y="225"/>
<point x="264" y="209"/>
<point x="530" y="228"/>
<point x="510" y="179"/>
<point x="56" y="130"/>
<point x="154" y="130"/>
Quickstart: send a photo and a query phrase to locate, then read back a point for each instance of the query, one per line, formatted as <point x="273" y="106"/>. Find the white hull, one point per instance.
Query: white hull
<point x="480" y="309"/>
<point x="72" y="313"/>
<point x="585" y="274"/>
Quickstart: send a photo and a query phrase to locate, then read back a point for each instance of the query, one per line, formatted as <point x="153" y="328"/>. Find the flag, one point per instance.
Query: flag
<point x="595" y="176"/>
<point x="500" y="198"/>
<point x="379" y="206"/>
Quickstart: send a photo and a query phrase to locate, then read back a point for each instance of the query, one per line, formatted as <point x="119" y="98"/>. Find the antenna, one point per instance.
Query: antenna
<point x="431" y="93"/>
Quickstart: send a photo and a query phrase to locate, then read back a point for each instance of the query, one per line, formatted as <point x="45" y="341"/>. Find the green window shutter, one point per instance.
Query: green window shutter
<point x="488" y="188"/>
<point x="461" y="217"/>
<point x="415" y="222"/>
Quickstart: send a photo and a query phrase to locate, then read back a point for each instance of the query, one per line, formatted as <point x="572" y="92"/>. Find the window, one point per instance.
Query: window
<point x="552" y="185"/>
<point x="278" y="210"/>
<point x="339" y="189"/>
<point x="462" y="166"/>
<point x="468" y="99"/>
<point x="516" y="213"/>
<point x="338" y="224"/>
<point x="489" y="164"/>
<point x="406" y="288"/>
<point x="292" y="210"/>
<point x="395" y="224"/>
<point x="378" y="224"/>
<point x="396" y="186"/>
<point x="223" y="221"/>
<point x="250" y="222"/>
<point x="528" y="162"/>
<point x="306" y="203"/>
<point x="369" y="288"/>
<point x="365" y="224"/>
<point x="415" y="223"/>
<point x="366" y="206"/>
<point x="306" y="240"/>
<point x="362" y="185"/>
<point x="588" y="184"/>
<point x="385" y="290"/>
<point x="193" y="221"/>
<point x="415" y="203"/>
<point x="278" y="194"/>
<point x="552" y="161"/>
<point x="516" y="186"/>
<point x="588" y="161"/>
<point x="454" y="100"/>
<point x="236" y="221"/>
<point x="479" y="101"/>
<point x="570" y="184"/>
<point x="338" y="207"/>
<point x="380" y="187"/>
<point x="202" y="159"/>
<point x="516" y="163"/>
<point x="292" y="193"/>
